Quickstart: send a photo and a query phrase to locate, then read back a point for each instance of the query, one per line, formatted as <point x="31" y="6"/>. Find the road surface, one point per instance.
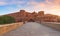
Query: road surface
<point x="33" y="29"/>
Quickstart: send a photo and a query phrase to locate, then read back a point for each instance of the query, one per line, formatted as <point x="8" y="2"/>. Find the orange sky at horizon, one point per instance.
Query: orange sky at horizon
<point x="12" y="6"/>
<point x="50" y="6"/>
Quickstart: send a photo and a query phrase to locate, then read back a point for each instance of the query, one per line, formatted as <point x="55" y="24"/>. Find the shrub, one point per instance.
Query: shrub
<point x="6" y="19"/>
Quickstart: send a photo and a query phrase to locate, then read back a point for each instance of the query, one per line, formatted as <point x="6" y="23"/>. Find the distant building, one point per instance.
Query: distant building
<point x="41" y="13"/>
<point x="22" y="15"/>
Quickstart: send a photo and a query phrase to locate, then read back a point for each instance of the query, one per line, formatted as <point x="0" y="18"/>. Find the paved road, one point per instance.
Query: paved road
<point x="33" y="29"/>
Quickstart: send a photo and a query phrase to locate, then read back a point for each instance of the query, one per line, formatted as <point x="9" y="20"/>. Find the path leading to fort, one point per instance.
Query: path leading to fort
<point x="33" y="29"/>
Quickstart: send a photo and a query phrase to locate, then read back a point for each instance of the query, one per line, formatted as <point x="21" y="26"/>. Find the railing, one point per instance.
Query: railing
<point x="54" y="25"/>
<point x="8" y="27"/>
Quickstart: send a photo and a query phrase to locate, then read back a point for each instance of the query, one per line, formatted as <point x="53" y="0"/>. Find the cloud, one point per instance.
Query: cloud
<point x="3" y="3"/>
<point x="11" y="2"/>
<point x="49" y="6"/>
<point x="53" y="7"/>
<point x="57" y="1"/>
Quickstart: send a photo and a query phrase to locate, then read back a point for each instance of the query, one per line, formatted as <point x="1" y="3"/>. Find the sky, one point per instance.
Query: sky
<point x="11" y="6"/>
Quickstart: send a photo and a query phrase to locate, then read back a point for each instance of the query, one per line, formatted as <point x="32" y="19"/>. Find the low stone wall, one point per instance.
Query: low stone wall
<point x="53" y="25"/>
<point x="8" y="27"/>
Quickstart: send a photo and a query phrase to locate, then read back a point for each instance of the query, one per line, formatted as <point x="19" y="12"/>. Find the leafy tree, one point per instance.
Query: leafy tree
<point x="6" y="19"/>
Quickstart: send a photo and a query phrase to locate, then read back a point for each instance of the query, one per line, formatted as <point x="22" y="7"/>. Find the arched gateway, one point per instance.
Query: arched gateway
<point x="31" y="20"/>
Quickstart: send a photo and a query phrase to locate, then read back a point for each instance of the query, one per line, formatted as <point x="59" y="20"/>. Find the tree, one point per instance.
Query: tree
<point x="6" y="19"/>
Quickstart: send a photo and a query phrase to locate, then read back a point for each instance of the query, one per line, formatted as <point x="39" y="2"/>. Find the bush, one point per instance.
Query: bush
<point x="6" y="19"/>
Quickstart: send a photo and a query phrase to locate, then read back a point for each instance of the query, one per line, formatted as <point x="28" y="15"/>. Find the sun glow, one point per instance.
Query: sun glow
<point x="54" y="12"/>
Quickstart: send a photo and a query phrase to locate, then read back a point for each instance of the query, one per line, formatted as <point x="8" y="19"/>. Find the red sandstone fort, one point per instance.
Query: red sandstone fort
<point x="23" y="15"/>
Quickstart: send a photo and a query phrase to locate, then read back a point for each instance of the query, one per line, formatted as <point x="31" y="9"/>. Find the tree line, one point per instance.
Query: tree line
<point x="6" y="19"/>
